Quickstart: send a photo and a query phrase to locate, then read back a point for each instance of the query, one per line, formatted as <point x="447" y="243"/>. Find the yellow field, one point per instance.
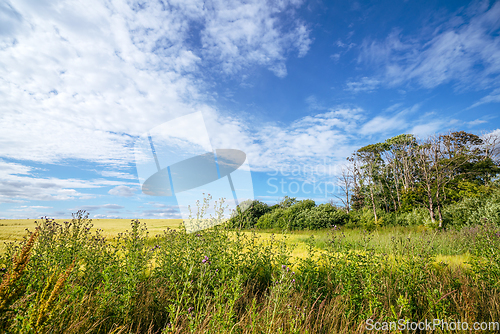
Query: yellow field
<point x="15" y="229"/>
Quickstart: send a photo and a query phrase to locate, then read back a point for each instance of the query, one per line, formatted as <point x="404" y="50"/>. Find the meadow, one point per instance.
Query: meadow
<point x="73" y="277"/>
<point x="450" y="247"/>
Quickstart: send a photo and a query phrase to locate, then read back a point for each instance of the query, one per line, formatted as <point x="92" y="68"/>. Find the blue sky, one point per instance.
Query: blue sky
<point x="296" y="85"/>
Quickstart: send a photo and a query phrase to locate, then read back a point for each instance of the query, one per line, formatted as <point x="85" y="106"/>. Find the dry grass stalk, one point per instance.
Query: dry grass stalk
<point x="47" y="307"/>
<point x="9" y="289"/>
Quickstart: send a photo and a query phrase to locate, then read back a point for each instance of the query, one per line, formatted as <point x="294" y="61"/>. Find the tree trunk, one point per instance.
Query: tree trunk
<point x="373" y="203"/>
<point x="397" y="190"/>
<point x="431" y="204"/>
<point x="438" y="204"/>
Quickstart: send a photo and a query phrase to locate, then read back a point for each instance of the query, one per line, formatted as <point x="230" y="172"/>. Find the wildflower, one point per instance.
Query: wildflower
<point x="190" y="310"/>
<point x="293" y="280"/>
<point x="205" y="260"/>
<point x="283" y="266"/>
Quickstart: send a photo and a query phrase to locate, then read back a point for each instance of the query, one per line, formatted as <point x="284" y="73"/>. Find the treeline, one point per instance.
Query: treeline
<point x="440" y="180"/>
<point x="289" y="214"/>
<point x="403" y="173"/>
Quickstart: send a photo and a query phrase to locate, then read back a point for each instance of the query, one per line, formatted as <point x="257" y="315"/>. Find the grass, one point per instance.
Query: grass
<point x="451" y="247"/>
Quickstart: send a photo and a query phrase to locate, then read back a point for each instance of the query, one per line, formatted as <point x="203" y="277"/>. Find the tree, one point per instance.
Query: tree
<point x="370" y="158"/>
<point x="346" y="183"/>
<point x="447" y="159"/>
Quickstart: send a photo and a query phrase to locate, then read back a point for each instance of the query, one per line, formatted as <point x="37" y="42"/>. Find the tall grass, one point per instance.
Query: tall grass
<point x="224" y="281"/>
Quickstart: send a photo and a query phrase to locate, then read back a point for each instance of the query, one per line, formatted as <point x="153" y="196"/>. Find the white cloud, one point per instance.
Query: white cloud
<point x="239" y="34"/>
<point x="18" y="184"/>
<point x="166" y="212"/>
<point x="335" y="57"/>
<point x="118" y="175"/>
<point x="394" y="107"/>
<point x="101" y="216"/>
<point x="476" y="122"/>
<point x="462" y="51"/>
<point x="364" y="85"/>
<point x="308" y="140"/>
<point x="79" y="80"/>
<point x="97" y="207"/>
<point x="494" y="96"/>
<point x="381" y="124"/>
<point x="385" y="124"/>
<point x="427" y="129"/>
<point x="122" y="191"/>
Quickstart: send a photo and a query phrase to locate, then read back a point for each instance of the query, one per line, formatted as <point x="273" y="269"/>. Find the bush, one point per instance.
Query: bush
<point x="248" y="213"/>
<point x="417" y="216"/>
<point x="285" y="217"/>
<point x="321" y="216"/>
<point x="272" y="219"/>
<point x="360" y="218"/>
<point x="474" y="210"/>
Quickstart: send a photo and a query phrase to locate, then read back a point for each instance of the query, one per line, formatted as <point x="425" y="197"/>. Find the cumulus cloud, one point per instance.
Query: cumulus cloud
<point x="81" y="80"/>
<point x="18" y="183"/>
<point x="122" y="191"/>
<point x="239" y="34"/>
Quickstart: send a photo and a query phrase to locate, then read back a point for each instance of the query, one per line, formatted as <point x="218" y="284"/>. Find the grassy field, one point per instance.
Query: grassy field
<point x="73" y="279"/>
<point x="449" y="247"/>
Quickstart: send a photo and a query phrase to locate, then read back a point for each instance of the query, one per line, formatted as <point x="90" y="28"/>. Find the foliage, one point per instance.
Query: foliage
<point x="485" y="261"/>
<point x="248" y="213"/>
<point x="321" y="216"/>
<point x="402" y="174"/>
<point x="470" y="211"/>
<point x="286" y="216"/>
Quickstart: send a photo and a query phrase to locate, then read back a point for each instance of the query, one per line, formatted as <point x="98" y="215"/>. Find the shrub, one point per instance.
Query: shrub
<point x="248" y="213"/>
<point x="485" y="260"/>
<point x="285" y="216"/>
<point x="474" y="210"/>
<point x="272" y="219"/>
<point x="417" y="216"/>
<point x="321" y="216"/>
